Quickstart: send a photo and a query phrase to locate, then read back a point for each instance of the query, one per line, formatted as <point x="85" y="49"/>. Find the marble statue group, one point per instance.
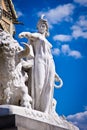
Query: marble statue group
<point x="44" y="74"/>
<point x="28" y="78"/>
<point x="28" y="75"/>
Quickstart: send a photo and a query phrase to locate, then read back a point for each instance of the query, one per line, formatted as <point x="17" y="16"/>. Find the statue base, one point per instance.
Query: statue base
<point x="20" y="118"/>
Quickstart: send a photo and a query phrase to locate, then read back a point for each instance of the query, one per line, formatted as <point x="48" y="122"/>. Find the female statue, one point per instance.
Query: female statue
<point x="44" y="67"/>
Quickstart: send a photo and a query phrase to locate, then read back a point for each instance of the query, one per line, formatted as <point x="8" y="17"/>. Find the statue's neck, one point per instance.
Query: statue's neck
<point x="42" y="34"/>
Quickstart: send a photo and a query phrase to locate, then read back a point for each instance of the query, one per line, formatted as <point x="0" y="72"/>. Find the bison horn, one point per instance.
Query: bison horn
<point x="25" y="52"/>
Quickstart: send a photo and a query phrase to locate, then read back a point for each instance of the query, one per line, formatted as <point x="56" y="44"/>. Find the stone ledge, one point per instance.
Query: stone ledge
<point x="17" y="122"/>
<point x="13" y="117"/>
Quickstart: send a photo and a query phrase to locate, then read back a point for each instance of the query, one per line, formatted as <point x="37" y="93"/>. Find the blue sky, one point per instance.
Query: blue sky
<point x="68" y="35"/>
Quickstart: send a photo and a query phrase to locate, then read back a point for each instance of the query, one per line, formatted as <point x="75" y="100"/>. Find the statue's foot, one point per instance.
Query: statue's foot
<point x="26" y="101"/>
<point x="26" y="104"/>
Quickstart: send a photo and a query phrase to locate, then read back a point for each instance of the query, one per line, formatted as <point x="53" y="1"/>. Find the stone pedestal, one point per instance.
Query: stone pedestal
<point x="17" y="122"/>
<point x="19" y="118"/>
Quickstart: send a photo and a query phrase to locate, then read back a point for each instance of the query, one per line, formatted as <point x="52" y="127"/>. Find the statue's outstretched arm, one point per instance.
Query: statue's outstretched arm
<point x="29" y="35"/>
<point x="25" y="34"/>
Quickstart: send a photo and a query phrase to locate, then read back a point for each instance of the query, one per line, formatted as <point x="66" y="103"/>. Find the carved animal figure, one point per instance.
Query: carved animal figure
<point x="12" y="77"/>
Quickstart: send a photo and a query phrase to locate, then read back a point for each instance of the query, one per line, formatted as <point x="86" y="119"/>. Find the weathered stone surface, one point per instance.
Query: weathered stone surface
<point x="28" y="85"/>
<point x="18" y="122"/>
<point x="44" y="74"/>
<point x="13" y="89"/>
<point x="23" y="118"/>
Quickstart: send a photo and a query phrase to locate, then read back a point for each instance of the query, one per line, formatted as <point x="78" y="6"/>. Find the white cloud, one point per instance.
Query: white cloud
<point x="19" y="13"/>
<point x="79" y="119"/>
<point x="58" y="14"/>
<point x="81" y="2"/>
<point x="75" y="54"/>
<point x="83" y="21"/>
<point x="78" y="32"/>
<point x="67" y="51"/>
<point x="62" y="38"/>
<point x="55" y="51"/>
<point x="80" y="28"/>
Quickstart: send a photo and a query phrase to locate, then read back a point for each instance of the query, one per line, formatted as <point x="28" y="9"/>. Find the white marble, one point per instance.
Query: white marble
<point x="44" y="74"/>
<point x="34" y="120"/>
<point x="30" y="82"/>
<point x="12" y="77"/>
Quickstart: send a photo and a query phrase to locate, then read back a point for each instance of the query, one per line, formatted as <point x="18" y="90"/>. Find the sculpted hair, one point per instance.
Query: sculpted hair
<point x="42" y="21"/>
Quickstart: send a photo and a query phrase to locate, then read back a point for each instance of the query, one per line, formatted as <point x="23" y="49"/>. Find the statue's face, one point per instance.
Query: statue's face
<point x="42" y="28"/>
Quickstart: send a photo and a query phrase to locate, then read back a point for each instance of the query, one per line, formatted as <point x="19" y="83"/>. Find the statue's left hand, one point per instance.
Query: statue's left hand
<point x="24" y="34"/>
<point x="58" y="79"/>
<point x="21" y="35"/>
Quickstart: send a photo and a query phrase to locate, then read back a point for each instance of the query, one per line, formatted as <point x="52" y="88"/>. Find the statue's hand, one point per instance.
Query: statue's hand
<point x="21" y="35"/>
<point x="31" y="36"/>
<point x="58" y="79"/>
<point x="25" y="34"/>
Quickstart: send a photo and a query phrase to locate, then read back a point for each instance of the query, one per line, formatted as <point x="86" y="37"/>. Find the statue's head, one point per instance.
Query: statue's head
<point x="44" y="24"/>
